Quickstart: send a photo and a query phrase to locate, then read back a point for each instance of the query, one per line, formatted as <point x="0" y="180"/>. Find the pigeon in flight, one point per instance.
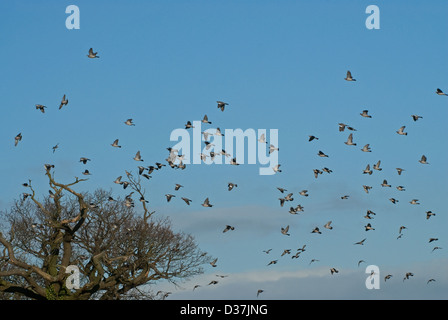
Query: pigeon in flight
<point x="189" y="125"/>
<point x="138" y="156"/>
<point x="429" y="214"/>
<point x="40" y="107"/>
<point x="92" y="54"/>
<point x="282" y="190"/>
<point x="207" y="203"/>
<point x="361" y="242"/>
<point x="322" y="154"/>
<point x="17" y="139"/>
<point x="55" y="147"/>
<point x="401" y="131"/>
<point x="416" y="117"/>
<point x="221" y="105"/>
<point x="311" y="138"/>
<point x="231" y="185"/>
<point x="64" y="102"/>
<point x="414" y="201"/>
<point x="84" y="160"/>
<point x="349" y="76"/>
<point x="187" y="201"/>
<point x="349" y="141"/>
<point x="205" y="120"/>
<point x="262" y="138"/>
<point x="169" y="196"/>
<point x="333" y="270"/>
<point x="367" y="170"/>
<point x="227" y="228"/>
<point x="285" y="230"/>
<point x="328" y="225"/>
<point x="272" y="148"/>
<point x="399" y="171"/>
<point x="407" y="275"/>
<point x="366" y="188"/>
<point x="366" y="148"/>
<point x="365" y="114"/>
<point x="384" y="184"/>
<point x="316" y="230"/>
<point x="423" y="160"/>
<point x="369" y="227"/>
<point x="129" y="122"/>
<point x="393" y="200"/>
<point x="440" y="92"/>
<point x="259" y="291"/>
<point x="115" y="144"/>
<point x="213" y="263"/>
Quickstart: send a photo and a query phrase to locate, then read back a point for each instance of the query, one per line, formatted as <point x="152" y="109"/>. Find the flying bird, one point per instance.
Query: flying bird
<point x="227" y="228"/>
<point x="377" y="166"/>
<point x="423" y="160"/>
<point x="17" y="139"/>
<point x="384" y="184"/>
<point x="55" y="147"/>
<point x="399" y="171"/>
<point x="285" y="230"/>
<point x="429" y="214"/>
<point x="440" y="92"/>
<point x="92" y="54"/>
<point x="333" y="270"/>
<point x="187" y="201"/>
<point x="272" y="148"/>
<point x="262" y="138"/>
<point x="349" y="77"/>
<point x="322" y="154"/>
<point x="205" y="120"/>
<point x="84" y="160"/>
<point x="64" y="102"/>
<point x="365" y="114"/>
<point x="221" y="105"/>
<point x="129" y="122"/>
<point x="401" y="131"/>
<point x="138" y="156"/>
<point x="115" y="144"/>
<point x="328" y="225"/>
<point x="407" y="275"/>
<point x="213" y="263"/>
<point x="169" y="196"/>
<point x="367" y="170"/>
<point x="207" y="203"/>
<point x="231" y="185"/>
<point x="40" y="107"/>
<point x="311" y="138"/>
<point x="349" y="141"/>
<point x="366" y="148"/>
<point x="416" y="117"/>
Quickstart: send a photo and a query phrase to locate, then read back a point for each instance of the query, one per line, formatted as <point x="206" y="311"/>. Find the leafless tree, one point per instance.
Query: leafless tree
<point x="119" y="252"/>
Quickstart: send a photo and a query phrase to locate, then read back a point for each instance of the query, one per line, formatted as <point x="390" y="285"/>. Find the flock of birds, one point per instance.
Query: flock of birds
<point x="175" y="161"/>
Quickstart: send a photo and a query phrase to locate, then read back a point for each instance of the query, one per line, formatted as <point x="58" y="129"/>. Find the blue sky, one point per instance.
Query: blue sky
<point x="280" y="65"/>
